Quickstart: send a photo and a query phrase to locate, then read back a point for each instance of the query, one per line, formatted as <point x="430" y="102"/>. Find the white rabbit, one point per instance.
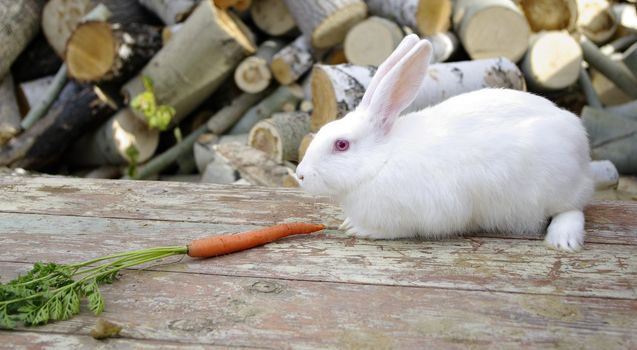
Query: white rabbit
<point x="495" y="160"/>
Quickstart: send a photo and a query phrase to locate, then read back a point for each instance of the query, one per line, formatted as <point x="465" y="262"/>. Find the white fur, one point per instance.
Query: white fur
<point x="492" y="160"/>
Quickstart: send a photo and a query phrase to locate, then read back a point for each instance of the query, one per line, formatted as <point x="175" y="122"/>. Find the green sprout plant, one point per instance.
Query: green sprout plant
<point x="157" y="116"/>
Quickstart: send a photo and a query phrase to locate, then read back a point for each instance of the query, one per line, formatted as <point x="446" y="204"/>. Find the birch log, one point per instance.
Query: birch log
<point x="185" y="73"/>
<point x="612" y="137"/>
<point x="553" y="61"/>
<point x="9" y="112"/>
<point x="20" y="22"/>
<point x="105" y="52"/>
<point x="609" y="94"/>
<point x="445" y="46"/>
<point x="272" y="17"/>
<point x="170" y="11"/>
<point x="254" y="165"/>
<point x="337" y="90"/>
<point x="616" y="72"/>
<point x="371" y="41"/>
<point x="292" y="61"/>
<point x="280" y="135"/>
<point x="113" y="142"/>
<point x="550" y="14"/>
<point x="264" y="109"/>
<point x="77" y="109"/>
<point x="629" y="58"/>
<point x="596" y="20"/>
<point x="491" y="28"/>
<point x="61" y="17"/>
<point x="326" y="22"/>
<point x="253" y="74"/>
<point x="427" y="17"/>
<point x="203" y="149"/>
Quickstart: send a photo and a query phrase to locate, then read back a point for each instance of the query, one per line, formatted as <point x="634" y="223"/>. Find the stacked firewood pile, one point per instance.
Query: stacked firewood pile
<point x="217" y="91"/>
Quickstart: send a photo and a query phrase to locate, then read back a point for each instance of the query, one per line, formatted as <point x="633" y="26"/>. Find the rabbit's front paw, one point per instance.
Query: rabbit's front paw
<point x="357" y="232"/>
<point x="566" y="231"/>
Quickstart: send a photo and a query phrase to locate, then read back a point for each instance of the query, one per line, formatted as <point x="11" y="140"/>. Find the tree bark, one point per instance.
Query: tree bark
<point x="264" y="109"/>
<point x="272" y="17"/>
<point x="253" y="74"/>
<point x="478" y="23"/>
<point x="77" y="109"/>
<point x="612" y="137"/>
<point x="106" y="52"/>
<point x="614" y="71"/>
<point x="586" y="85"/>
<point x="326" y="22"/>
<point x="629" y="58"/>
<point x="626" y="110"/>
<point x="113" y="141"/>
<point x="427" y="17"/>
<point x="371" y="41"/>
<point x="544" y="15"/>
<point x="19" y="25"/>
<point x="170" y="11"/>
<point x="280" y="135"/>
<point x="203" y="149"/>
<point x="9" y="112"/>
<point x="186" y="73"/>
<point x="336" y="90"/>
<point x="292" y="61"/>
<point x="553" y="61"/>
<point x="254" y="165"/>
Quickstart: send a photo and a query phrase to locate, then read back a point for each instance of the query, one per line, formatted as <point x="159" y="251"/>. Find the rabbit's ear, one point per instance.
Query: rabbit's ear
<point x="400" y="51"/>
<point x="399" y="87"/>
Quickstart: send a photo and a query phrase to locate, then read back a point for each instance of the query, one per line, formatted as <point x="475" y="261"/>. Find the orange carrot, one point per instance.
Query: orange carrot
<point x="224" y="244"/>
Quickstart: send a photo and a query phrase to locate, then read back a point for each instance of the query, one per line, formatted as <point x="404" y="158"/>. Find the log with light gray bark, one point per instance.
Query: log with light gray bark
<point x="253" y="74"/>
<point x="427" y="17"/>
<point x="337" y="90"/>
<point x="272" y="17"/>
<point x="371" y="41"/>
<point x="280" y="135"/>
<point x="195" y="62"/>
<point x="629" y="58"/>
<point x="19" y="23"/>
<point x="292" y="61"/>
<point x="553" y="61"/>
<point x="110" y="52"/>
<point x="254" y="165"/>
<point x="271" y="104"/>
<point x="491" y="28"/>
<point x="325" y="23"/>
<point x="203" y="149"/>
<point x="170" y="11"/>
<point x="612" y="137"/>
<point x="9" y="111"/>
<point x="544" y="15"/>
<point x="616" y="72"/>
<point x="626" y="110"/>
<point x="587" y="88"/>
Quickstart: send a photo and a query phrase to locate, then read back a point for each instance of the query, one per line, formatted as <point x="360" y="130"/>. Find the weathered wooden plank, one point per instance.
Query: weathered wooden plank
<point x="279" y="314"/>
<point x="607" y="222"/>
<point x="484" y="264"/>
<point x="37" y="341"/>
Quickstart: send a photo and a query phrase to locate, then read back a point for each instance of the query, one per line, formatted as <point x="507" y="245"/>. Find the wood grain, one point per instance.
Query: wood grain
<point x="607" y="221"/>
<point x="241" y="311"/>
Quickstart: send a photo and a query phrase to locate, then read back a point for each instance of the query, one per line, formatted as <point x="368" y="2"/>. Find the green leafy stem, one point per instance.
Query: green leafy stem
<point x="157" y="116"/>
<point x="51" y="292"/>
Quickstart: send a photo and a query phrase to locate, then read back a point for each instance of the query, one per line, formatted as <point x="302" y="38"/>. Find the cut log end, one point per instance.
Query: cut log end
<point x="272" y="17"/>
<point x="550" y="14"/>
<point x="553" y="61"/>
<point x="305" y="144"/>
<point x="322" y="90"/>
<point x="253" y="75"/>
<point x="91" y="51"/>
<point x="240" y="34"/>
<point x="495" y="31"/>
<point x="282" y="71"/>
<point x="332" y="29"/>
<point x="433" y="16"/>
<point x="371" y="41"/>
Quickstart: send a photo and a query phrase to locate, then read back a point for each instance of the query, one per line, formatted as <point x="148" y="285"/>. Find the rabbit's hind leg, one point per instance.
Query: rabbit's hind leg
<point x="566" y="231"/>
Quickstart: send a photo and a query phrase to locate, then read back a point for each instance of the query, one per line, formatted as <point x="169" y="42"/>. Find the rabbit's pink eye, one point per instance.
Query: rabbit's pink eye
<point x="341" y="145"/>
